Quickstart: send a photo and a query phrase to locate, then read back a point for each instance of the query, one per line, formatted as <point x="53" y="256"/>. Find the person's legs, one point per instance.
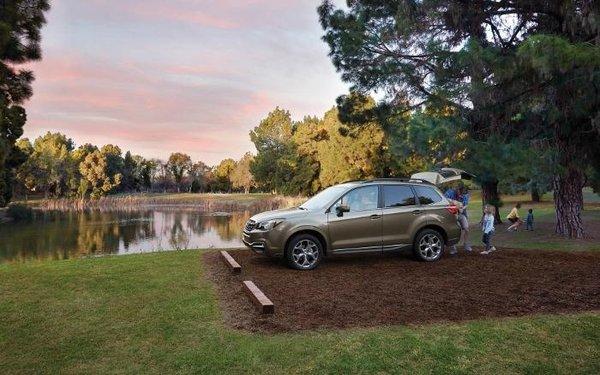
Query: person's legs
<point x="464" y="233"/>
<point x="453" y="249"/>
<point x="485" y="240"/>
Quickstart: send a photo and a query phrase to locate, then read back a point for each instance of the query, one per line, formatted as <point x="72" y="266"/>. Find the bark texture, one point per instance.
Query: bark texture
<point x="489" y="195"/>
<point x="568" y="201"/>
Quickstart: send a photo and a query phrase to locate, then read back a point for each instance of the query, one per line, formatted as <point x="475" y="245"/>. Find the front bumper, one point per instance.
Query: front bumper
<point x="262" y="243"/>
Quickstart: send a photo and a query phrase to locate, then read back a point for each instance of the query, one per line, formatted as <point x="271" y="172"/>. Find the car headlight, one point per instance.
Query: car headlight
<point x="268" y="224"/>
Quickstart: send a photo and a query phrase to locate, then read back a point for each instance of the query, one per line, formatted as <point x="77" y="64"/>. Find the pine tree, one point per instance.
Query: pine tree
<point x="20" y="24"/>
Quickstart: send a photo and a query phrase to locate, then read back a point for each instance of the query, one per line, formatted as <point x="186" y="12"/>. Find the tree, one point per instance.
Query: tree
<point x="278" y="166"/>
<point x="177" y="165"/>
<point x="484" y="60"/>
<point x="241" y="177"/>
<point x="130" y="173"/>
<point x="114" y="160"/>
<point x="144" y="171"/>
<point x="200" y="175"/>
<point x="50" y="167"/>
<point x="20" y="24"/>
<point x="223" y="173"/>
<point x="563" y="105"/>
<point x="96" y="176"/>
<point x="342" y="152"/>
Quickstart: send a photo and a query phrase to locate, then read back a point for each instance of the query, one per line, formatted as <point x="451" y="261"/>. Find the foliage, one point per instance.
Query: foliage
<point x="342" y="152"/>
<point x="223" y="173"/>
<point x="278" y="166"/>
<point x="513" y="71"/>
<point x="241" y="177"/>
<point x="178" y="164"/>
<point x="20" y="24"/>
<point x="96" y="175"/>
<point x="50" y="167"/>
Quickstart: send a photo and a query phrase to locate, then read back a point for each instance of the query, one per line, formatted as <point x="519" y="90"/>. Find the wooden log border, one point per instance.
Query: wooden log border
<point x="264" y="305"/>
<point x="231" y="263"/>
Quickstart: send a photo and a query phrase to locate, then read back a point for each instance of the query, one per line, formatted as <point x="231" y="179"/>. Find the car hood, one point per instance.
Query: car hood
<point x="286" y="213"/>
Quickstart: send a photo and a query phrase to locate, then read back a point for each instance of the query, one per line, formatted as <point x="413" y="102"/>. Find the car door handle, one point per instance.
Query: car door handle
<point x="375" y="216"/>
<point x="416" y="212"/>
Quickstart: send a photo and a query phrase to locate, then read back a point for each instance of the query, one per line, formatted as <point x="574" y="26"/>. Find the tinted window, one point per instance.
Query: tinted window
<point x="323" y="198"/>
<point x="427" y="195"/>
<point x="398" y="196"/>
<point x="361" y="199"/>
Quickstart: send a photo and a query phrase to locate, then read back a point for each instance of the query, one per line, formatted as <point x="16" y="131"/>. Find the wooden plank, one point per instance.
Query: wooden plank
<point x="230" y="262"/>
<point x="264" y="305"/>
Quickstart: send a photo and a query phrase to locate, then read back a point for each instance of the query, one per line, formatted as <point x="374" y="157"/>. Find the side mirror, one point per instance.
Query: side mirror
<point x="341" y="209"/>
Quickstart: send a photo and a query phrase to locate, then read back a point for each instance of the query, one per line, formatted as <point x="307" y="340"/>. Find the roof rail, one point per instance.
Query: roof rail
<point x="398" y="179"/>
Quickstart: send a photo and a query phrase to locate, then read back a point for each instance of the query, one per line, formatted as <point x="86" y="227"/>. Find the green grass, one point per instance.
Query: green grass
<point x="156" y="313"/>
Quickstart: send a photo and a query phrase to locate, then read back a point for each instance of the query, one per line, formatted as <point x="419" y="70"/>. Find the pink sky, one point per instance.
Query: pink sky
<point x="156" y="77"/>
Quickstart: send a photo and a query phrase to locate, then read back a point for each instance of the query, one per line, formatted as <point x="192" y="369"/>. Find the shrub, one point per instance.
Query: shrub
<point x="19" y="212"/>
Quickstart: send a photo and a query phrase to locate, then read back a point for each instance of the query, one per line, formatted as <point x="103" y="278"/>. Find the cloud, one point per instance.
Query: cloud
<point x="162" y="76"/>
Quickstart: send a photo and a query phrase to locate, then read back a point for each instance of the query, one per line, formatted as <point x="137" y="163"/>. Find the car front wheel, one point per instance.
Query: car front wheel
<point x="428" y="245"/>
<point x="304" y="252"/>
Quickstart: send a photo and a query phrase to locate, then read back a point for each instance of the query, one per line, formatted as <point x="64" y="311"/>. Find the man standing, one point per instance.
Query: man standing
<point x="462" y="198"/>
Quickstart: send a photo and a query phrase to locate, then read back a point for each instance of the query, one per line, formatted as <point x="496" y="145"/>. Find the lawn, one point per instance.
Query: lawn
<point x="157" y="313"/>
<point x="543" y="236"/>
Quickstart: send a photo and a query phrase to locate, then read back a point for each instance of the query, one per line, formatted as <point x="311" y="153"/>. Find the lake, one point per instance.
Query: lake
<point x="62" y="235"/>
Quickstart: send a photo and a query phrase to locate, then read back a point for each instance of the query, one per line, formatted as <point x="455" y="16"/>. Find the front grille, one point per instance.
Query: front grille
<point x="250" y="225"/>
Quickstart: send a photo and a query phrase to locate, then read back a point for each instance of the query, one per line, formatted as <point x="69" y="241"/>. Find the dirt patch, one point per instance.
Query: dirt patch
<point x="361" y="291"/>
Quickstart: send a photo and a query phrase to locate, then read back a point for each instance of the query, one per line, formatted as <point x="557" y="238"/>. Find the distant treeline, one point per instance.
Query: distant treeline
<point x="56" y="168"/>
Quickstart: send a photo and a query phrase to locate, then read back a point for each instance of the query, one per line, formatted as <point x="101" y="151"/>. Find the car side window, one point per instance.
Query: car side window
<point x="427" y="195"/>
<point x="398" y="196"/>
<point x="360" y="199"/>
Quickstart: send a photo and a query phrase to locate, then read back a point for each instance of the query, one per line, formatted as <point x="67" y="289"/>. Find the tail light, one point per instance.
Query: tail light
<point x="452" y="209"/>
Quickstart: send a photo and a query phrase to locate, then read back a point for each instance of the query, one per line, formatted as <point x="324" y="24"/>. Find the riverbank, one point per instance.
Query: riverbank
<point x="158" y="313"/>
<point x="205" y="202"/>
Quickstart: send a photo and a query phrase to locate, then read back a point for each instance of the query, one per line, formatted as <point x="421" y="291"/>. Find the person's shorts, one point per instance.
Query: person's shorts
<point x="513" y="219"/>
<point x="463" y="221"/>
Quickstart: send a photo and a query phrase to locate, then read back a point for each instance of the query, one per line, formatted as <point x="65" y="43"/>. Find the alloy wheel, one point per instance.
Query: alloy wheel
<point x="305" y="254"/>
<point x="430" y="246"/>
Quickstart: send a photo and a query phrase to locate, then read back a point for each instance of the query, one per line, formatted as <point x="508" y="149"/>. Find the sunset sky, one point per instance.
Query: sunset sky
<point x="159" y="76"/>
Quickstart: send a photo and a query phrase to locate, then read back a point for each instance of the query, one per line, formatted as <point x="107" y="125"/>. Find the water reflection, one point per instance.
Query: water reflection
<point x="60" y="235"/>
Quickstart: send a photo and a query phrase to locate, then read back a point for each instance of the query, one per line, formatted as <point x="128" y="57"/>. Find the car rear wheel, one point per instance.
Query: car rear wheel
<point x="428" y="245"/>
<point x="304" y="252"/>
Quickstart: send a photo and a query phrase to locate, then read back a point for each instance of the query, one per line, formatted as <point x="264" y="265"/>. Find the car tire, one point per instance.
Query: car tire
<point x="304" y="252"/>
<point x="428" y="245"/>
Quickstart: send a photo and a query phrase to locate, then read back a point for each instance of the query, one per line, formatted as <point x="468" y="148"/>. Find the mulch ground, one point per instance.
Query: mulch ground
<point x="367" y="291"/>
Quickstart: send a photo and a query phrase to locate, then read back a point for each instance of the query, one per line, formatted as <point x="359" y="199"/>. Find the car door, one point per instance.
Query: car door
<point x="400" y="211"/>
<point x="359" y="229"/>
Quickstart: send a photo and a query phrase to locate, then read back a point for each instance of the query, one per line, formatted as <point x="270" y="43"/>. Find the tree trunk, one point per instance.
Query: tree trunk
<point x="535" y="192"/>
<point x="568" y="201"/>
<point x="489" y="195"/>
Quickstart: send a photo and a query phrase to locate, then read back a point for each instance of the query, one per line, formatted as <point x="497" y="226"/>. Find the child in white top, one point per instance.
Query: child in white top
<point x="487" y="225"/>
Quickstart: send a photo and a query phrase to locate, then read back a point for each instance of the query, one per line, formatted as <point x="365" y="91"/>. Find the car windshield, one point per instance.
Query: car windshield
<point x="323" y="198"/>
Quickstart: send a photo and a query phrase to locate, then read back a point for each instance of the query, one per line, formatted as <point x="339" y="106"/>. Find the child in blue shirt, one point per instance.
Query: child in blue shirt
<point x="487" y="225"/>
<point x="529" y="220"/>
